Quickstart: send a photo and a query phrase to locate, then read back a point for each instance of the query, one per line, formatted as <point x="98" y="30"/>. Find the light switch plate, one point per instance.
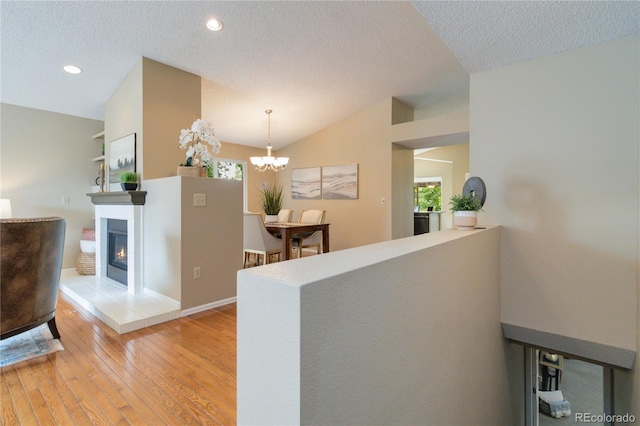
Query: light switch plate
<point x="199" y="200"/>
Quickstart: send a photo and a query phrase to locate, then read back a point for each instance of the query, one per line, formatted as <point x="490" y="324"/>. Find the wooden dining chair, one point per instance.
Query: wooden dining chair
<point x="312" y="240"/>
<point x="257" y="240"/>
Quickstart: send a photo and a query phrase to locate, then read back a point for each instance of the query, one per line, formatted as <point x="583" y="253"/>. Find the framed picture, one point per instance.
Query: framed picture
<point x="122" y="157"/>
<point x="340" y="182"/>
<point x="305" y="184"/>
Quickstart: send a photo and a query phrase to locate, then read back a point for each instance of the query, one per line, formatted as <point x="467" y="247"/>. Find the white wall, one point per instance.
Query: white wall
<point x="46" y="156"/>
<point x="391" y="333"/>
<point x="556" y="141"/>
<point x="163" y="237"/>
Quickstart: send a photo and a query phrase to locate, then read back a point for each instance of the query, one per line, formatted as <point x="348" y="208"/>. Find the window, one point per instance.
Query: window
<point x="227" y="169"/>
<point x="231" y="170"/>
<point x="427" y="194"/>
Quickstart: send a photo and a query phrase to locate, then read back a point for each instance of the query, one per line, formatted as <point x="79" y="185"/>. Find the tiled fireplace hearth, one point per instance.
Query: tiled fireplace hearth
<point x="123" y="308"/>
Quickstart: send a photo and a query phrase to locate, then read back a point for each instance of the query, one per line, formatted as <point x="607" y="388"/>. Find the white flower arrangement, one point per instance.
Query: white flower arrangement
<point x="193" y="141"/>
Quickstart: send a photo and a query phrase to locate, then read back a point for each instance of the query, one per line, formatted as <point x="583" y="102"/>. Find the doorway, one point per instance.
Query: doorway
<point x="445" y="167"/>
<point x="576" y="389"/>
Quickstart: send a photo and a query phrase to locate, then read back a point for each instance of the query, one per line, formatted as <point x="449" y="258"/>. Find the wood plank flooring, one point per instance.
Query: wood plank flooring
<point x="181" y="372"/>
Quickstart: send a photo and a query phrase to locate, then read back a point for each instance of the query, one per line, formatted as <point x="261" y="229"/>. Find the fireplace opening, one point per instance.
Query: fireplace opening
<point x="117" y="250"/>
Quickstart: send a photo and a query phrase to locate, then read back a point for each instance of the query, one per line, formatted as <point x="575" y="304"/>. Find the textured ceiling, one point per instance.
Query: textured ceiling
<point x="491" y="34"/>
<point x="313" y="62"/>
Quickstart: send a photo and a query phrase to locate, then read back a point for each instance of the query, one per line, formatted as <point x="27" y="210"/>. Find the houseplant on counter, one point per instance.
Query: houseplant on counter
<point x="465" y="208"/>
<point x="271" y="202"/>
<point x="196" y="141"/>
<point x="129" y="181"/>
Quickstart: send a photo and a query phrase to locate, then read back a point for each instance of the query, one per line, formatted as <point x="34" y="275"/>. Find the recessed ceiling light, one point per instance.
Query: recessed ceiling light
<point x="214" y="25"/>
<point x="72" y="69"/>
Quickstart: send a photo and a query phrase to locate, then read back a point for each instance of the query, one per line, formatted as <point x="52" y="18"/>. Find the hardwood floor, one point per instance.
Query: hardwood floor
<point x="181" y="372"/>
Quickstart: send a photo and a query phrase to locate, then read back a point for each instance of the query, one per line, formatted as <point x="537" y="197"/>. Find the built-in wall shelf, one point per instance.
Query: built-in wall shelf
<point x="100" y="158"/>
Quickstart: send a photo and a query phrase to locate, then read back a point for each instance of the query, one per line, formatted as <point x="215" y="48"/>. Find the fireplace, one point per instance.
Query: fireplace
<point x="117" y="250"/>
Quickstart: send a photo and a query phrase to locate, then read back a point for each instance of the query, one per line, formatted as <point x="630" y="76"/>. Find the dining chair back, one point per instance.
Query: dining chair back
<point x="311" y="216"/>
<point x="284" y="216"/>
<point x="311" y="240"/>
<point x="257" y="240"/>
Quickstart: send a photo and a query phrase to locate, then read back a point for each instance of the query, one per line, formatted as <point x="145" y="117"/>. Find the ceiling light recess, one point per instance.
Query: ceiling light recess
<point x="273" y="164"/>
<point x="72" y="69"/>
<point x="214" y="24"/>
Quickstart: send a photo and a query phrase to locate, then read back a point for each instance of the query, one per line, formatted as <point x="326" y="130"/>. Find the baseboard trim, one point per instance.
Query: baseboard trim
<point x="160" y="295"/>
<point x="208" y="306"/>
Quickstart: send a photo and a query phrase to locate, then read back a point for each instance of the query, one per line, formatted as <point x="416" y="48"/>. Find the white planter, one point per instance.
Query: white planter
<point x="465" y="220"/>
<point x="271" y="218"/>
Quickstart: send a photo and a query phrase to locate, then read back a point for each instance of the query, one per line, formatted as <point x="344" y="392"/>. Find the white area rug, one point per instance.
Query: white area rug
<point x="30" y="344"/>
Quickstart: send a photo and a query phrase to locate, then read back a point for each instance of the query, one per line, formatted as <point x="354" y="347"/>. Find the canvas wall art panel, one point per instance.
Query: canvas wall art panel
<point x="306" y="184"/>
<point x="122" y="157"/>
<point x="340" y="182"/>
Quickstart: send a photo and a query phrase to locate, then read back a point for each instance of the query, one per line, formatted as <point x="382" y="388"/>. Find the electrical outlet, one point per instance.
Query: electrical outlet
<point x="199" y="200"/>
<point x="197" y="273"/>
<point x="65" y="200"/>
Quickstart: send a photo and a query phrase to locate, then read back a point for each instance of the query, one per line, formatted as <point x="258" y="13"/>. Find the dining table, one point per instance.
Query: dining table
<point x="286" y="231"/>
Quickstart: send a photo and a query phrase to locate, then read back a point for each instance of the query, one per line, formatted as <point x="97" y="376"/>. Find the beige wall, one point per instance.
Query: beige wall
<point x="179" y="237"/>
<point x="402" y="191"/>
<point x="633" y="382"/>
<point x="171" y="102"/>
<point x="123" y="116"/>
<point x="158" y="102"/>
<point x="45" y="156"/>
<point x="556" y="141"/>
<point x="255" y="179"/>
<point x="363" y="138"/>
<point x="211" y="240"/>
<point x="155" y="101"/>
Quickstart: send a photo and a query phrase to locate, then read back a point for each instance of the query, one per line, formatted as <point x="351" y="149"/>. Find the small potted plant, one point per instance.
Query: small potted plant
<point x="271" y="202"/>
<point x="129" y="181"/>
<point x="465" y="208"/>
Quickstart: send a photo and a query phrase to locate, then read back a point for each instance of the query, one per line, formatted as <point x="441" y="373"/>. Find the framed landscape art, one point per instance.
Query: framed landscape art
<point x="305" y="184"/>
<point x="340" y="182"/>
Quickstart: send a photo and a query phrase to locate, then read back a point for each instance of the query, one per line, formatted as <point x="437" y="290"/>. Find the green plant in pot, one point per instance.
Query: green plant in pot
<point x="129" y="181"/>
<point x="465" y="208"/>
<point x="271" y="202"/>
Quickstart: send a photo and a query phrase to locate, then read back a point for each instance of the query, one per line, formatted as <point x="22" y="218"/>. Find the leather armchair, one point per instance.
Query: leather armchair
<point x="31" y="261"/>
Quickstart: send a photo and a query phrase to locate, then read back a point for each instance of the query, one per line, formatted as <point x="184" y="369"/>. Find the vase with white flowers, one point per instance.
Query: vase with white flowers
<point x="196" y="140"/>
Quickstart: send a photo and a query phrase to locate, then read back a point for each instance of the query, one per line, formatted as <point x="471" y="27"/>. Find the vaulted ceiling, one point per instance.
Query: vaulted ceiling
<point x="312" y="62"/>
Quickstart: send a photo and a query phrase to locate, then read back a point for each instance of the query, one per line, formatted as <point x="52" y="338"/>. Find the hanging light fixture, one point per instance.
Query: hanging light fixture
<point x="273" y="164"/>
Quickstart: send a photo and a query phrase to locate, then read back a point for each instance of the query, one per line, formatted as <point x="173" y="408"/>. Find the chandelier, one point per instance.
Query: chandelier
<point x="273" y="164"/>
